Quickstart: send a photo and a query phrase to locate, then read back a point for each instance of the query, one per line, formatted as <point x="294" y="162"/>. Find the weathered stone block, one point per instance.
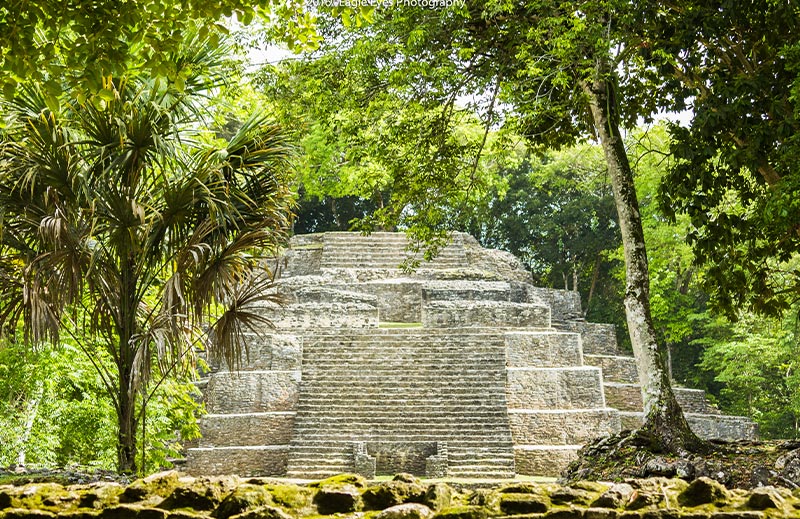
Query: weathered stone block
<point x="554" y="388"/>
<point x="230" y="430"/>
<point x="597" y="338"/>
<point x="561" y="427"/>
<point x="252" y="392"/>
<point x="543" y="349"/>
<point x="547" y="461"/>
<point x="437" y="314"/>
<point x="245" y="461"/>
<point x="615" y="368"/>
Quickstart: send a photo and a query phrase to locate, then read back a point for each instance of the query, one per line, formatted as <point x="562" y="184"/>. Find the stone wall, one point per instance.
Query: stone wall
<point x="565" y="305"/>
<point x="244" y="461"/>
<point x="252" y="392"/>
<point x="251" y="429"/>
<point x="555" y="388"/>
<point x="543" y="349"/>
<point x="452" y="314"/>
<point x="561" y="427"/>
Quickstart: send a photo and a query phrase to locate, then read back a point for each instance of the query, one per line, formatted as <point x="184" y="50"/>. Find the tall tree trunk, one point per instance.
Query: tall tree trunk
<point x="126" y="411"/>
<point x="664" y="419"/>
<point x="595" y="276"/>
<point x="126" y="433"/>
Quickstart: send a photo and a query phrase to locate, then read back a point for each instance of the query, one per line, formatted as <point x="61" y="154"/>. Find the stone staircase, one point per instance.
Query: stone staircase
<point x="461" y="368"/>
<point x="382" y="250"/>
<point x="403" y="392"/>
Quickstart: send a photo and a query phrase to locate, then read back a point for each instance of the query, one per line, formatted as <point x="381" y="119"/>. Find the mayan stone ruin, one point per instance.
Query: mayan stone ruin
<point x="461" y="368"/>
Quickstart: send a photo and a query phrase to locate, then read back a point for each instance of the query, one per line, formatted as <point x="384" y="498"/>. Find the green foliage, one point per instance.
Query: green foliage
<point x="736" y="175"/>
<point x="115" y="215"/>
<point x="758" y="361"/>
<point x="55" y="408"/>
<point x="72" y="44"/>
<point x="375" y="151"/>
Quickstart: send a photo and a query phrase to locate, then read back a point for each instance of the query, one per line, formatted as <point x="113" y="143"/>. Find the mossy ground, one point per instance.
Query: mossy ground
<point x="742" y="464"/>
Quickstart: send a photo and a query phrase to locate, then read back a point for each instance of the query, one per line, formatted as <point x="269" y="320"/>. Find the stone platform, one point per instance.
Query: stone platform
<point x="461" y="368"/>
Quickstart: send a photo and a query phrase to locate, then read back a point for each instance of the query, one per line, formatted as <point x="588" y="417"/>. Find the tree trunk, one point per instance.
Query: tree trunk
<point x="126" y="426"/>
<point x="664" y="419"/>
<point x="595" y="276"/>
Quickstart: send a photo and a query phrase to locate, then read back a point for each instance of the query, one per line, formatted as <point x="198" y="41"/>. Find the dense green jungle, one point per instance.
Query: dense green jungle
<point x="153" y="153"/>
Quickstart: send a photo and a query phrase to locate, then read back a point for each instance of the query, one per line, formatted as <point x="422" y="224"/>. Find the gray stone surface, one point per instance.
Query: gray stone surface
<point x="561" y="427"/>
<point x="543" y="349"/>
<point x="555" y="388"/>
<point x="453" y="314"/>
<point x="252" y="392"/>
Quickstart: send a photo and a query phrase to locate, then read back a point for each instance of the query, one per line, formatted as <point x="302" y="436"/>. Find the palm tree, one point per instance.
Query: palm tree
<point x="113" y="212"/>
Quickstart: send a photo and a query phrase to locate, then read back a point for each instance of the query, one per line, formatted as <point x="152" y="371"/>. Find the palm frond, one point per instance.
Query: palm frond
<point x="243" y="315"/>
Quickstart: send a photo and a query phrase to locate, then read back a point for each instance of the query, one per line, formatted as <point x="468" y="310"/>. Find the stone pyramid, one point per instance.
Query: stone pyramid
<point x="461" y="368"/>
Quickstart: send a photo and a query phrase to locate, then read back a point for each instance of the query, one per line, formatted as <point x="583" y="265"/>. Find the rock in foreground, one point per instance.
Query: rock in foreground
<point x="171" y="495"/>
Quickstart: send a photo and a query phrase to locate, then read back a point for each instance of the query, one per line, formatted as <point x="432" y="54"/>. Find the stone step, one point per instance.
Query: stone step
<point x="425" y="362"/>
<point x="451" y="414"/>
<point x="482" y="343"/>
<point x="391" y="378"/>
<point x="432" y="335"/>
<point x="343" y="406"/>
<point x="615" y="368"/>
<point x="330" y="448"/>
<point x="356" y="256"/>
<point x="367" y="435"/>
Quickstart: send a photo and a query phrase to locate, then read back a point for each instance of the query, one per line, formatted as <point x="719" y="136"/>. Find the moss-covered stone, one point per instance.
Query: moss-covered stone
<point x="264" y="512"/>
<point x="617" y="496"/>
<point x="529" y="503"/>
<point x="764" y="498"/>
<point x="462" y="512"/>
<point x="341" y="479"/>
<point x="291" y="496"/>
<point x="599" y="513"/>
<point x="406" y="511"/>
<point x="24" y="513"/>
<point x="338" y="499"/>
<point x="128" y="511"/>
<point x="392" y="493"/>
<point x="572" y="495"/>
<point x="519" y="488"/>
<point x="200" y="494"/>
<point x="99" y="495"/>
<point x="407" y="478"/>
<point x="438" y="496"/>
<point x="5" y="499"/>
<point x="244" y="497"/>
<point x="161" y="485"/>
<point x="185" y="514"/>
<point x="703" y="491"/>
